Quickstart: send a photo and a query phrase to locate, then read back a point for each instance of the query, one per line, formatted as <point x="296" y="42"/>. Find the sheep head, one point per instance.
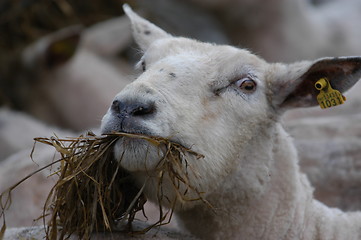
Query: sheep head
<point x="214" y="99"/>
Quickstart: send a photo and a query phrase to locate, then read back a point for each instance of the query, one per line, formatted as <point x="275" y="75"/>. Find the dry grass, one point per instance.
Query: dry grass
<point x="93" y="193"/>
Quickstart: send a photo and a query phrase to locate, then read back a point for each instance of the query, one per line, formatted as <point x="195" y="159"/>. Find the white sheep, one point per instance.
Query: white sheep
<point x="329" y="153"/>
<point x="56" y="85"/>
<point x="226" y="103"/>
<point x="289" y="30"/>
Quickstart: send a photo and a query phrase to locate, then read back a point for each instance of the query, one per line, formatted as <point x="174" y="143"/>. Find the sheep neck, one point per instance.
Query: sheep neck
<point x="266" y="189"/>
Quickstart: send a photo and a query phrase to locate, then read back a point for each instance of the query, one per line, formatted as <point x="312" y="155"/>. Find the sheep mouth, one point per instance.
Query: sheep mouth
<point x="143" y="136"/>
<point x="119" y="130"/>
<point x="131" y="137"/>
<point x="139" y="151"/>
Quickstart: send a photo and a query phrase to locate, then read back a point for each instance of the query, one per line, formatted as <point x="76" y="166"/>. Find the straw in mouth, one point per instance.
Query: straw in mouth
<point x="94" y="193"/>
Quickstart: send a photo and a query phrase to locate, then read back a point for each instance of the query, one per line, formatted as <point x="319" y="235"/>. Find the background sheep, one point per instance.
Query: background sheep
<point x="62" y="82"/>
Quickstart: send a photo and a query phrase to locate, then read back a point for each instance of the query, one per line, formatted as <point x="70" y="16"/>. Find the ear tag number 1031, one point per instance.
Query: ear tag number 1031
<point x="328" y="97"/>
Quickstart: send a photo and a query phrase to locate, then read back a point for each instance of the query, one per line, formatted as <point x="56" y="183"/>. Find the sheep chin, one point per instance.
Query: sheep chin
<point x="137" y="155"/>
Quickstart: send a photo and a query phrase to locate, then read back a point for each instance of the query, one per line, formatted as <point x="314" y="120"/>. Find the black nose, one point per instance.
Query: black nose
<point x="128" y="109"/>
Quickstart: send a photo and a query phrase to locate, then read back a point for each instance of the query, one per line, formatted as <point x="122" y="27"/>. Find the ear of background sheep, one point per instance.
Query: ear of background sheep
<point x="144" y="32"/>
<point x="52" y="50"/>
<point x="294" y="85"/>
<point x="108" y="38"/>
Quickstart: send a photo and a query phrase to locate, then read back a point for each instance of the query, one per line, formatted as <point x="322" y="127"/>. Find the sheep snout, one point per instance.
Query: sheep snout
<point x="133" y="109"/>
<point x="129" y="116"/>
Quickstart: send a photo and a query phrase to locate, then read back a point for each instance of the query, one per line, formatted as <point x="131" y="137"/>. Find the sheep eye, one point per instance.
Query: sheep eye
<point x="246" y="85"/>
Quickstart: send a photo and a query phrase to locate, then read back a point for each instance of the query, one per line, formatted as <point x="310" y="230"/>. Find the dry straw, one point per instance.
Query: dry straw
<point x="93" y="193"/>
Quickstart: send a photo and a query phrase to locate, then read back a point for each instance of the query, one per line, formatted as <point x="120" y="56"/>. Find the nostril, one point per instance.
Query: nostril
<point x="115" y="106"/>
<point x="144" y="109"/>
<point x="132" y="108"/>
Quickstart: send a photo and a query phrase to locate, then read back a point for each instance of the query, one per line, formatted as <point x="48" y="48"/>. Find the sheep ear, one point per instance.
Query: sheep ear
<point x="108" y="38"/>
<point x="294" y="85"/>
<point x="144" y="32"/>
<point x="54" y="49"/>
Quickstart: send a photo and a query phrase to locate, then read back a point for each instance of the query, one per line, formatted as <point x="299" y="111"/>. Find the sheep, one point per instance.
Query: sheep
<point x="18" y="129"/>
<point x="54" y="86"/>
<point x="289" y="30"/>
<point x="226" y="103"/>
<point x="329" y="152"/>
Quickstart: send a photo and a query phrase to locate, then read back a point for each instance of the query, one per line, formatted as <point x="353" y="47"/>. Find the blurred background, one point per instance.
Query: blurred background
<point x="63" y="61"/>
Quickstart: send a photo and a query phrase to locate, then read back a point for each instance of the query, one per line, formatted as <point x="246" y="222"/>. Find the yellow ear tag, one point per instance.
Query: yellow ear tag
<point x="328" y="97"/>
